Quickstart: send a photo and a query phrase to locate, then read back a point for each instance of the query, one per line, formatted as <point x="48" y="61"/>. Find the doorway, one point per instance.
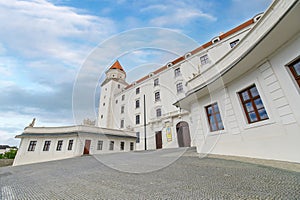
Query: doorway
<point x="87" y="145"/>
<point x="158" y="139"/>
<point x="183" y="134"/>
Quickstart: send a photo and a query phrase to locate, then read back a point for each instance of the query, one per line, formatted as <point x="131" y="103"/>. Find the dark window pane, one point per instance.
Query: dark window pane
<point x="249" y="107"/>
<point x="252" y="117"/>
<point x="258" y="103"/>
<point x="263" y="114"/>
<point x="209" y="110"/>
<point x="245" y="95"/>
<point x="297" y="68"/>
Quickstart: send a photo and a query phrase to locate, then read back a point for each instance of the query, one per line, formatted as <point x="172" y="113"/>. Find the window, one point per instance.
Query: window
<point x="111" y="145"/>
<point x="116" y="101"/>
<point x="156" y="82"/>
<point x="157" y="96"/>
<point x="99" y="145"/>
<point x="122" y="123"/>
<point x="123" y="97"/>
<point x="122" y="109"/>
<point x="179" y="87"/>
<point x="70" y="145"/>
<point x="103" y="104"/>
<point x="214" y="117"/>
<point x="137" y="137"/>
<point x="232" y="44"/>
<point x="119" y="86"/>
<point x="32" y="145"/>
<point x="59" y="145"/>
<point x="101" y="116"/>
<point x="46" y="145"/>
<point x="295" y="70"/>
<point x="204" y="59"/>
<point x="177" y="72"/>
<point x="122" y="145"/>
<point x="137" y="90"/>
<point x="158" y="112"/>
<point x="253" y="105"/>
<point x="131" y="146"/>
<point x="137" y="103"/>
<point x="137" y="119"/>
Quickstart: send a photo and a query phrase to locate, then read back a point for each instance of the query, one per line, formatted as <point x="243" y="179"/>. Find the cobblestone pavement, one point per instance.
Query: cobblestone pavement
<point x="187" y="178"/>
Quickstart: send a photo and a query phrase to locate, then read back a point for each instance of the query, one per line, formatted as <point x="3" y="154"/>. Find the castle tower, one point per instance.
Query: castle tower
<point x="113" y="84"/>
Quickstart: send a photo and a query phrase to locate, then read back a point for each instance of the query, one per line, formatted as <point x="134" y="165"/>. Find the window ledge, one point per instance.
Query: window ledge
<point x="259" y="124"/>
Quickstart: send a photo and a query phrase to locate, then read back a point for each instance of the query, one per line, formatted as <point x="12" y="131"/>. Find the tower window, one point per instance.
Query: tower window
<point x="179" y="87"/>
<point x="47" y="146"/>
<point x="232" y="44"/>
<point x="137" y="119"/>
<point x="70" y="144"/>
<point x="122" y="123"/>
<point x="122" y="109"/>
<point x="123" y="97"/>
<point x="137" y="137"/>
<point x="157" y="96"/>
<point x="137" y="103"/>
<point x="32" y="145"/>
<point x="158" y="112"/>
<point x="59" y="145"/>
<point x="137" y="90"/>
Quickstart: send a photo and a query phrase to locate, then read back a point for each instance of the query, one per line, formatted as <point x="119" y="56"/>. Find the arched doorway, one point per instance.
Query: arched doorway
<point x="183" y="134"/>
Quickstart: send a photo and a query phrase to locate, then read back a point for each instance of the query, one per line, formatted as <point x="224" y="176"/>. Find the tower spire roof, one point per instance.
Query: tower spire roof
<point x="117" y="65"/>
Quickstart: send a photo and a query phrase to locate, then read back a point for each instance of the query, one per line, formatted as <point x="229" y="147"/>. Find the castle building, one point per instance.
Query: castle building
<point x="237" y="94"/>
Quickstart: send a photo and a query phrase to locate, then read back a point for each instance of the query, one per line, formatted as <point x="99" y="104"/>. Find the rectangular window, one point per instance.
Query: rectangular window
<point x="99" y="145"/>
<point x="295" y="70"/>
<point x="131" y="146"/>
<point x="123" y="97"/>
<point x="32" y="145"/>
<point x="59" y="145"/>
<point x="122" y="146"/>
<point x="122" y="123"/>
<point x="156" y="82"/>
<point x="253" y="105"/>
<point x="158" y="112"/>
<point x="137" y="137"/>
<point x="47" y="145"/>
<point x="204" y="59"/>
<point x="111" y="145"/>
<point x="214" y="117"/>
<point x="179" y="87"/>
<point x="137" y="119"/>
<point x="70" y="145"/>
<point x="157" y="96"/>
<point x="137" y="103"/>
<point x="137" y="90"/>
<point x="232" y="44"/>
<point x="122" y="109"/>
<point x="177" y="72"/>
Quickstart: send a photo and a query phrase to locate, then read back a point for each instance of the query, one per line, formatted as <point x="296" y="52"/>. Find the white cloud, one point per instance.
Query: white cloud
<point x="41" y="29"/>
<point x="176" y="13"/>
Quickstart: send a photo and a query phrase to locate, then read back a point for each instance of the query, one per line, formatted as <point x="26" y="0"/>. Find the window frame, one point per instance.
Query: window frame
<point x="111" y="145"/>
<point x="122" y="146"/>
<point x="32" y="145"/>
<point x="158" y="112"/>
<point x="122" y="122"/>
<point x="131" y="146"/>
<point x="157" y="96"/>
<point x="204" y="59"/>
<point x="138" y="137"/>
<point x="293" y="71"/>
<point x="214" y="113"/>
<point x="100" y="145"/>
<point x="179" y="87"/>
<point x="253" y="104"/>
<point x="156" y="82"/>
<point x="137" y="119"/>
<point x="59" y="145"/>
<point x="47" y="144"/>
<point x="70" y="145"/>
<point x="137" y="90"/>
<point x="234" y="43"/>
<point x="122" y="109"/>
<point x="137" y="103"/>
<point x="177" y="72"/>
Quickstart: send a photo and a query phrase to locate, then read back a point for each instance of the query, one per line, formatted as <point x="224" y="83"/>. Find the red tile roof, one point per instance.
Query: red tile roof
<point x="117" y="65"/>
<point x="177" y="60"/>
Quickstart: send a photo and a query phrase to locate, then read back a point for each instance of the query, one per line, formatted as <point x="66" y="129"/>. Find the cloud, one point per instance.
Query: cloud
<point x="37" y="29"/>
<point x="176" y="13"/>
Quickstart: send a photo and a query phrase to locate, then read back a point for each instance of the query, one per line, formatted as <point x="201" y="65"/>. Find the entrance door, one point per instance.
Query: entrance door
<point x="87" y="145"/>
<point x="158" y="139"/>
<point x="183" y="134"/>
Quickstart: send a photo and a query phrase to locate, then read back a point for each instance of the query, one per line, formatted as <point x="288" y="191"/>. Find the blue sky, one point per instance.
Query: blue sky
<point x="43" y="45"/>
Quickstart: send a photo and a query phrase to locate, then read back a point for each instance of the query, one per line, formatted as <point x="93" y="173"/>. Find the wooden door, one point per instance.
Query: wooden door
<point x="87" y="145"/>
<point x="158" y="138"/>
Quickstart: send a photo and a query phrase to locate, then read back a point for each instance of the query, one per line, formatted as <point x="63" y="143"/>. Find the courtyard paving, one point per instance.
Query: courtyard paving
<point x="163" y="174"/>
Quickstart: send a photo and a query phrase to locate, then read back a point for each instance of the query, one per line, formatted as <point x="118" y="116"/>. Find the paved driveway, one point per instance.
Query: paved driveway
<point x="169" y="176"/>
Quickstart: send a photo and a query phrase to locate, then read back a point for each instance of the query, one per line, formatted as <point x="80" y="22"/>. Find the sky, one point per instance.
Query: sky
<point x="45" y="44"/>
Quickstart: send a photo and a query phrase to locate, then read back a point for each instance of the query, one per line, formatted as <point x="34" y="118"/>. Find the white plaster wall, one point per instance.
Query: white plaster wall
<point x="276" y="138"/>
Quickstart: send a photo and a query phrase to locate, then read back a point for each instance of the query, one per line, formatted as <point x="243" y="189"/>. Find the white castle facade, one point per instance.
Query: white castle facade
<point x="238" y="94"/>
